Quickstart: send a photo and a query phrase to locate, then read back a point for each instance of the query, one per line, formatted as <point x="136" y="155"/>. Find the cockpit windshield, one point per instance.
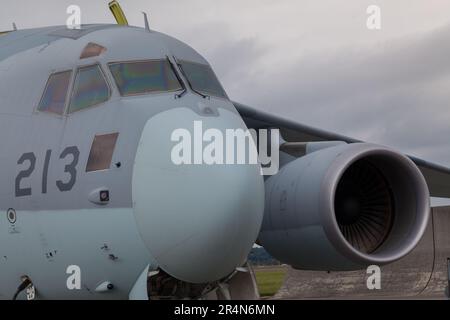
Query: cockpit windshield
<point x="202" y="79"/>
<point x="143" y="77"/>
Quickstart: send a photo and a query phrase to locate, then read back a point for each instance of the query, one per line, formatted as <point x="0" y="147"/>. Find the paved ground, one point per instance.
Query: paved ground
<point x="420" y="275"/>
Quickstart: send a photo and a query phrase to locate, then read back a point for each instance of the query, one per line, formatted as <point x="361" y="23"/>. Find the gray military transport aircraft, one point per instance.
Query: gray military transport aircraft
<point x="87" y="180"/>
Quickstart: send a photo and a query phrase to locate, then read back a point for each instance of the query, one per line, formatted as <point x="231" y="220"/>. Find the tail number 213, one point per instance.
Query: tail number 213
<point x="69" y="154"/>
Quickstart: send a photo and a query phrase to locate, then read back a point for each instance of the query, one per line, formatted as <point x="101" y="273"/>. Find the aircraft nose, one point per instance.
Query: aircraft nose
<point x="198" y="221"/>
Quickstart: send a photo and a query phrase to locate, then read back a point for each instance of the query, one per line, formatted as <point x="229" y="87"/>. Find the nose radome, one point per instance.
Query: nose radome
<point x="198" y="221"/>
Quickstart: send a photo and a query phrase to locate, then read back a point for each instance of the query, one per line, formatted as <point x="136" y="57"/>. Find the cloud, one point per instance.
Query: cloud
<point x="394" y="93"/>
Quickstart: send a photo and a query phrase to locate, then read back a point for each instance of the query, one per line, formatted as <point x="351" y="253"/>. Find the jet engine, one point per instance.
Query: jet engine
<point x="345" y="207"/>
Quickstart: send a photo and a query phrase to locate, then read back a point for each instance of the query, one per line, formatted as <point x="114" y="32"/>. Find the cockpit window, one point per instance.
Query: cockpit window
<point x="202" y="78"/>
<point x="55" y="94"/>
<point x="142" y="77"/>
<point x="90" y="88"/>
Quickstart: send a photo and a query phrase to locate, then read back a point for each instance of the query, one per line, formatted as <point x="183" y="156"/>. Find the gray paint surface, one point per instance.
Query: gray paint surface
<point x="55" y="229"/>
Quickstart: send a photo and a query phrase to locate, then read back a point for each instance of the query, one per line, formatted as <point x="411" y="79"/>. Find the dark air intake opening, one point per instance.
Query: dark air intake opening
<point x="364" y="206"/>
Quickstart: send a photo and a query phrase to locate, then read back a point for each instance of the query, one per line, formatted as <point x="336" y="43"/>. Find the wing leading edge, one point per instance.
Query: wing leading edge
<point x="437" y="176"/>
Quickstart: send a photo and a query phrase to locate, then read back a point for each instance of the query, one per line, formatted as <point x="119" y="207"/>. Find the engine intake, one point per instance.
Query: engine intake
<point x="364" y="206"/>
<point x="344" y="208"/>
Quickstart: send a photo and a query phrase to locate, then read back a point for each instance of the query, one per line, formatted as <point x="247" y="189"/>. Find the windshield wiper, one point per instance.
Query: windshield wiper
<point x="183" y="86"/>
<point x="180" y="66"/>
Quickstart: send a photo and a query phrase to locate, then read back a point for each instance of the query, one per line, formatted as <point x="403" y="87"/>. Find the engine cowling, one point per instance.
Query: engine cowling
<point x="344" y="208"/>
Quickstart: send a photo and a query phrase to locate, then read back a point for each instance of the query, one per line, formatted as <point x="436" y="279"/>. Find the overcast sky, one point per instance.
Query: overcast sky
<point x="311" y="61"/>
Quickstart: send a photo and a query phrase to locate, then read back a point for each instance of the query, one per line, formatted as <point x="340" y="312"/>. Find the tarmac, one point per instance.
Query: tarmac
<point x="423" y="274"/>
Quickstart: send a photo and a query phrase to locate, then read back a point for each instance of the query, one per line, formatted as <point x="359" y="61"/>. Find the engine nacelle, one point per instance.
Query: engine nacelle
<point x="344" y="208"/>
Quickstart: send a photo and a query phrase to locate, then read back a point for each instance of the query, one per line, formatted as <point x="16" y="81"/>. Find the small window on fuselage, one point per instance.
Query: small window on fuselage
<point x="90" y="88"/>
<point x="55" y="94"/>
<point x="102" y="150"/>
<point x="144" y="77"/>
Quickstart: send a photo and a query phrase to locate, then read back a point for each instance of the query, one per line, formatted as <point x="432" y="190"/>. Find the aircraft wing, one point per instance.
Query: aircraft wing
<point x="437" y="176"/>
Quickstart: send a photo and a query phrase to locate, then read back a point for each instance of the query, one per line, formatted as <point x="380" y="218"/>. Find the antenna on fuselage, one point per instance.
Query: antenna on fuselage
<point x="117" y="12"/>
<point x="147" y="25"/>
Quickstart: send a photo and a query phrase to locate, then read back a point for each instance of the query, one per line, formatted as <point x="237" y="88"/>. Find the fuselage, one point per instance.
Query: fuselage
<point x="113" y="220"/>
